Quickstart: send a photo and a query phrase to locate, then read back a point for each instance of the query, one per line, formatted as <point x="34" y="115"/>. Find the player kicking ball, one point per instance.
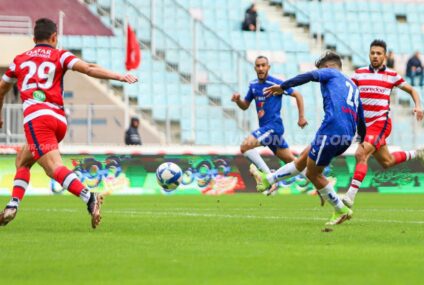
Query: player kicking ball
<point x="39" y="75"/>
<point x="343" y="116"/>
<point x="271" y="129"/>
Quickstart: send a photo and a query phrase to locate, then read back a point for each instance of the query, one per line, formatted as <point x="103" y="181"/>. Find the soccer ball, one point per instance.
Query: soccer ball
<point x="169" y="176"/>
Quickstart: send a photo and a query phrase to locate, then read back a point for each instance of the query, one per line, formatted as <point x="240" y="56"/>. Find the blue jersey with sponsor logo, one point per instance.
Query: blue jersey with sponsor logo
<point x="341" y="102"/>
<point x="268" y="109"/>
<point x="342" y="107"/>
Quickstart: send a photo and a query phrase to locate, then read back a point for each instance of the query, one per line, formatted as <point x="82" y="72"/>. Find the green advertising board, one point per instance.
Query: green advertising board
<point x="205" y="175"/>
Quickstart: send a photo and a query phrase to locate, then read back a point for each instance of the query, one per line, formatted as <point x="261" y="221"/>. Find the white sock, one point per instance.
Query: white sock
<point x="254" y="156"/>
<point x="85" y="195"/>
<point x="411" y="154"/>
<point x="283" y="172"/>
<point x="331" y="197"/>
<point x="14" y="202"/>
<point x="353" y="189"/>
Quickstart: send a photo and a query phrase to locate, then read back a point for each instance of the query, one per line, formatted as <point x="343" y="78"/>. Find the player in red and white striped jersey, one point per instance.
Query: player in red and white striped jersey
<point x="39" y="76"/>
<point x="375" y="84"/>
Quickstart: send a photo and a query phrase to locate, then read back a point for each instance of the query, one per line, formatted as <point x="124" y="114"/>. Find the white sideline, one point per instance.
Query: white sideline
<point x="212" y="215"/>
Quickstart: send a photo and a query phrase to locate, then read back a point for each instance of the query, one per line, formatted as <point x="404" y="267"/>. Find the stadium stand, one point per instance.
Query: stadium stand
<point x="222" y="63"/>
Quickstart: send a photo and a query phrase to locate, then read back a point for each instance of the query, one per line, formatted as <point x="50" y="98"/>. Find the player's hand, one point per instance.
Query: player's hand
<point x="418" y="113"/>
<point x="274" y="90"/>
<point x="302" y="122"/>
<point x="235" y="97"/>
<point x="129" y="78"/>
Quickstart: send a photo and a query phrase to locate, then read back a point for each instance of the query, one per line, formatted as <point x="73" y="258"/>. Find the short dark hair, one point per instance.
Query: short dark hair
<point x="379" y="43"/>
<point x="329" y="56"/>
<point x="262" y="57"/>
<point x="44" y="29"/>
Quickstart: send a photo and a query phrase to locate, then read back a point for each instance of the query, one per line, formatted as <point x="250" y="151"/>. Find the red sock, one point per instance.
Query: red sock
<point x="68" y="180"/>
<point x="20" y="183"/>
<point x="359" y="175"/>
<point x="402" y="156"/>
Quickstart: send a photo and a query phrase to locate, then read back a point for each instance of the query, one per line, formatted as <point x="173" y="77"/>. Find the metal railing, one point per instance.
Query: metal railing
<point x="104" y="125"/>
<point x="293" y="5"/>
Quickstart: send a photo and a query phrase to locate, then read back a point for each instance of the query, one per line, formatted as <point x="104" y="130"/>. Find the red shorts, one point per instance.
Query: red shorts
<point x="44" y="134"/>
<point x="378" y="132"/>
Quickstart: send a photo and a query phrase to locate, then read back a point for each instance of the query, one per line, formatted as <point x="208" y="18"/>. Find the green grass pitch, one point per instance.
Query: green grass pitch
<point x="239" y="239"/>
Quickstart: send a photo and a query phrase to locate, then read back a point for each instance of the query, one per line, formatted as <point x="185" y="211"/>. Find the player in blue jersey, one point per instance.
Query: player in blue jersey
<point x="271" y="129"/>
<point x="343" y="116"/>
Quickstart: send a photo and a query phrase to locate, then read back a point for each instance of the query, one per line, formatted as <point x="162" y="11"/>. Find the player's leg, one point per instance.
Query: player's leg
<point x="326" y="191"/>
<point x="323" y="149"/>
<point x="248" y="149"/>
<point x="264" y="181"/>
<point x="362" y="155"/>
<point x="54" y="168"/>
<point x="24" y="161"/>
<point x="387" y="159"/>
<point x="45" y="135"/>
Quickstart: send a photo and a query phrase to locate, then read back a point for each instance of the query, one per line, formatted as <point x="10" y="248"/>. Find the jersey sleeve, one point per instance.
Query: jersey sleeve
<point x="10" y="76"/>
<point x="288" y="91"/>
<point x="249" y="96"/>
<point x="323" y="74"/>
<point x="399" y="81"/>
<point x="68" y="59"/>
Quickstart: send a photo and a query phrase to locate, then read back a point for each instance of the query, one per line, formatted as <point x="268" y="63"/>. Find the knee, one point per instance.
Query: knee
<point x="51" y="169"/>
<point x="360" y="157"/>
<point x="386" y="163"/>
<point x="245" y="146"/>
<point x="310" y="175"/>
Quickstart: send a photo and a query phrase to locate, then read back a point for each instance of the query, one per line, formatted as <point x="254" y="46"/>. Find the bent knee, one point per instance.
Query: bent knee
<point x="386" y="164"/>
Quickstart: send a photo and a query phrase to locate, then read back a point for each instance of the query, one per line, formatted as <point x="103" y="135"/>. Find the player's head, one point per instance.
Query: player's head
<point x="45" y="31"/>
<point x="329" y="60"/>
<point x="378" y="50"/>
<point x="262" y="67"/>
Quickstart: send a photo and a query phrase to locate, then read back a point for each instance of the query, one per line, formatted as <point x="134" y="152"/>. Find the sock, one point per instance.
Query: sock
<point x="402" y="156"/>
<point x="358" y="177"/>
<point x="330" y="196"/>
<point x="282" y="173"/>
<point x="20" y="184"/>
<point x="254" y="156"/>
<point x="70" y="181"/>
<point x="13" y="203"/>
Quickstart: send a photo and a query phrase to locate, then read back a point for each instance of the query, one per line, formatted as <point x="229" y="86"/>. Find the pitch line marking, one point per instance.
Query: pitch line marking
<point x="213" y="215"/>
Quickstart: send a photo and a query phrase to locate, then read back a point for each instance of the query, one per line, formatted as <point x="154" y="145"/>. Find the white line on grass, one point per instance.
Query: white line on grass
<point x="215" y="215"/>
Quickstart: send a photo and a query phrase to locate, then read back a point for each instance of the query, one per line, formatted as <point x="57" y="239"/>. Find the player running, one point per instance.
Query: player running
<point x="271" y="129"/>
<point x="39" y="74"/>
<point x="343" y="116"/>
<point x="375" y="83"/>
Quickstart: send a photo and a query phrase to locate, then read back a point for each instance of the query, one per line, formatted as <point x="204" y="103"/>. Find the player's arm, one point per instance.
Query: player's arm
<point x="4" y="88"/>
<point x="241" y="103"/>
<point x="360" y="123"/>
<point x="301" y="108"/>
<point x="300" y="79"/>
<point x="96" y="71"/>
<point x="416" y="97"/>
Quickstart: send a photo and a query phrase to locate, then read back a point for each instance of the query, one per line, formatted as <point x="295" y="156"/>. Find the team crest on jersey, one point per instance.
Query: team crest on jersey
<point x="39" y="95"/>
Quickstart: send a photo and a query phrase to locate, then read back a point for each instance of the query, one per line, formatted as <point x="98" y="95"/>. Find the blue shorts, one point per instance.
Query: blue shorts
<point x="325" y="147"/>
<point x="270" y="137"/>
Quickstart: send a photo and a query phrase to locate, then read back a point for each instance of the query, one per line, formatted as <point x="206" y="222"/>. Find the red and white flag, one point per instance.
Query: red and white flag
<point x="133" y="50"/>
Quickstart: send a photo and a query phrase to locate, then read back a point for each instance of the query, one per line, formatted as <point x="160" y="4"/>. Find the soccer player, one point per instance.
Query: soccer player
<point x="375" y="83"/>
<point x="271" y="129"/>
<point x="39" y="74"/>
<point x="343" y="116"/>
